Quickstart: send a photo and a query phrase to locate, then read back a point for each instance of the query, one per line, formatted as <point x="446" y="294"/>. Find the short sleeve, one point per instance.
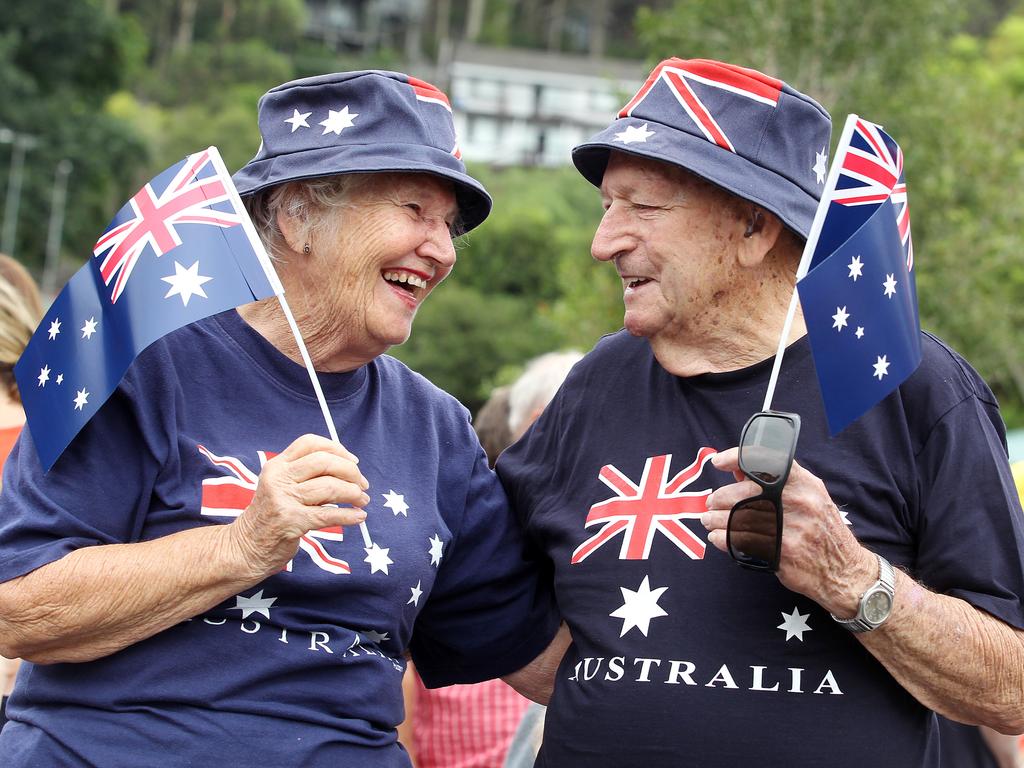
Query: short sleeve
<point x="971" y="542"/>
<point x="96" y="492"/>
<point x="491" y="610"/>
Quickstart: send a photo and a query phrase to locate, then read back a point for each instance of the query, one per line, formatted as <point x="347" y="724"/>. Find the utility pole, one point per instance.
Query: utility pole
<point x="56" y="229"/>
<point x="20" y="144"/>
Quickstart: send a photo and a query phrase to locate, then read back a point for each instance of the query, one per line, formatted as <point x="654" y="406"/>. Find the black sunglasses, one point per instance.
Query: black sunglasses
<point x="754" y="531"/>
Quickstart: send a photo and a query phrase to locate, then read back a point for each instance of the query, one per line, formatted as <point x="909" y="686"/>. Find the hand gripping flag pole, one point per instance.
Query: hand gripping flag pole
<point x="855" y="279"/>
<point x="271" y="273"/>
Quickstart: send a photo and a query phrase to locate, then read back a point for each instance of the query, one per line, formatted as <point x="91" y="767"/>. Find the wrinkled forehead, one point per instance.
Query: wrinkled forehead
<point x="425" y="189"/>
<point x="632" y="173"/>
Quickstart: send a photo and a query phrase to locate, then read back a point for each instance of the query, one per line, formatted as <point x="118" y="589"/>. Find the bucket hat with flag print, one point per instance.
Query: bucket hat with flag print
<point x="745" y="131"/>
<point x="360" y="122"/>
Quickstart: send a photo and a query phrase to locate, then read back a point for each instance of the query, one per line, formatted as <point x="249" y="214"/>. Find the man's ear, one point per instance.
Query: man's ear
<point x="762" y="232"/>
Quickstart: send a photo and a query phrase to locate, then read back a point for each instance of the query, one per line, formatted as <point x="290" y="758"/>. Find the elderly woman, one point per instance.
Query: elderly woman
<point x="182" y="581"/>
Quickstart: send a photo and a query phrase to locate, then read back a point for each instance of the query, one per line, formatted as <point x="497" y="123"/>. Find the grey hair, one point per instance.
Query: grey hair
<point x="17" y="322"/>
<point x="313" y="203"/>
<point x="536" y="386"/>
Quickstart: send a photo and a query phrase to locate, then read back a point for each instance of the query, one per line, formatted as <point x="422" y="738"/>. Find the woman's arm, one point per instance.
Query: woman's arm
<point x="98" y="600"/>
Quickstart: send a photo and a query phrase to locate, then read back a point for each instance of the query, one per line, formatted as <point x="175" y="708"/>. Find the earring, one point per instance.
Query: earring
<point x="306" y="249"/>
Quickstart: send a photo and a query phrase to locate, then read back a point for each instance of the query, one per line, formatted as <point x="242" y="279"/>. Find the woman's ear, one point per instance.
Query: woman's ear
<point x="762" y="232"/>
<point x="293" y="230"/>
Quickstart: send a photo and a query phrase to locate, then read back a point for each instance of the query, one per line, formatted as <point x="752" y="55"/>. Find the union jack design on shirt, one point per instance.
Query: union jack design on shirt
<point x="871" y="173"/>
<point x="228" y="496"/>
<point x="678" y="76"/>
<point x="657" y="504"/>
<point x="154" y="218"/>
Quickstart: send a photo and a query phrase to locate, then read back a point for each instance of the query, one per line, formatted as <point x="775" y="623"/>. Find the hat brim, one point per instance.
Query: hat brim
<point x="721" y="167"/>
<point x="473" y="201"/>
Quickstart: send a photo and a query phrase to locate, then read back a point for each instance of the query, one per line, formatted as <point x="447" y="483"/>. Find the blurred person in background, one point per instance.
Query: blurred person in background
<point x="180" y="583"/>
<point x="471" y="726"/>
<point x="20" y="310"/>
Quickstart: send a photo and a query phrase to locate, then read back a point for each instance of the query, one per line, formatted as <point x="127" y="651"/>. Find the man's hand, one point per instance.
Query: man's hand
<point x="297" y="493"/>
<point x="821" y="558"/>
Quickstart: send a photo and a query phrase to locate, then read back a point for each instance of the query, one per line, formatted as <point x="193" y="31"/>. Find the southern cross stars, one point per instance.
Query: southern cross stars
<point x="435" y="550"/>
<point x="881" y="367"/>
<point x="54" y="328"/>
<point x="633" y="134"/>
<point x="639" y="607"/>
<point x="840" y="318"/>
<point x="396" y="503"/>
<point x="338" y="121"/>
<point x="186" y="283"/>
<point x="856" y="267"/>
<point x="89" y="328"/>
<point x="890" y="285"/>
<point x="795" y="624"/>
<point x="416" y="593"/>
<point x="44" y="375"/>
<point x="298" y="120"/>
<point x="81" y="398"/>
<point x="820" y="165"/>
<point x="378" y="559"/>
<point x="257" y="603"/>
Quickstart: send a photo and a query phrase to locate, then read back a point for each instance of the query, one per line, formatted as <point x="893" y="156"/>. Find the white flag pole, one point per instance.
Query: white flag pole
<point x="808" y="254"/>
<point x="278" y="288"/>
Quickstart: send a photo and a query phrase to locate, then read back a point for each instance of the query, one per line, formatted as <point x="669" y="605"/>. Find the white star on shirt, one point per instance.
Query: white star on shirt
<point x="89" y="328"/>
<point x="416" y="592"/>
<point x="378" y="559"/>
<point x="859" y="333"/>
<point x="795" y="625"/>
<point x="257" y="603"/>
<point x="338" y="121"/>
<point x="881" y="367"/>
<point x="855" y="268"/>
<point x="81" y="398"/>
<point x="298" y="120"/>
<point x="890" y="285"/>
<point x="44" y="375"/>
<point x="820" y="165"/>
<point x="186" y="283"/>
<point x="840" y="318"/>
<point x="60" y="378"/>
<point x="396" y="503"/>
<point x="54" y="329"/>
<point x="375" y="637"/>
<point x="634" y="134"/>
<point x="435" y="550"/>
<point x="846" y="517"/>
<point x="639" y="607"/>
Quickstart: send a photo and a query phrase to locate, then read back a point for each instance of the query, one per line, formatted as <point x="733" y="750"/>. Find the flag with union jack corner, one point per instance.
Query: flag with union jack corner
<point x="181" y="249"/>
<point x="856" y="278"/>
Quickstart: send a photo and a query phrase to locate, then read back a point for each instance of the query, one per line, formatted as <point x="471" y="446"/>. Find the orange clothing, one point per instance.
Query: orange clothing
<point x="8" y="436"/>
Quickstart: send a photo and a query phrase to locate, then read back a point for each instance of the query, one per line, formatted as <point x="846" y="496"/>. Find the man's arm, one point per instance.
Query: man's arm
<point x="536" y="680"/>
<point x="952" y="657"/>
<point x="98" y="600"/>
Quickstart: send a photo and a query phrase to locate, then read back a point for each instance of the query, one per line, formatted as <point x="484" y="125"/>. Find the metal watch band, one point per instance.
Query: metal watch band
<point x="886" y="582"/>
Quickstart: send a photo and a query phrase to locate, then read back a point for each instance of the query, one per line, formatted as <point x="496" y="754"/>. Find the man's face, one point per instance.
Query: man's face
<point x="672" y="238"/>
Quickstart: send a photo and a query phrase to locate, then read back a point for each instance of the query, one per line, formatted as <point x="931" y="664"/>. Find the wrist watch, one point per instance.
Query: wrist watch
<point x="875" y="604"/>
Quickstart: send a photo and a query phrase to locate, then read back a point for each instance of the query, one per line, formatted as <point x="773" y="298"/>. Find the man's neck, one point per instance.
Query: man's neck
<point x="746" y="340"/>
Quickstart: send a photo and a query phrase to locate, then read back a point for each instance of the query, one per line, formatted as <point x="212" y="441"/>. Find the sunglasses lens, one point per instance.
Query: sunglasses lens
<point x="753" y="533"/>
<point x="766" y="450"/>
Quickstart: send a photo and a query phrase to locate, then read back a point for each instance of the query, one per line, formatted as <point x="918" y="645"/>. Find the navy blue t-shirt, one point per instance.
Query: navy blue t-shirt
<point x="304" y="668"/>
<point x="681" y="657"/>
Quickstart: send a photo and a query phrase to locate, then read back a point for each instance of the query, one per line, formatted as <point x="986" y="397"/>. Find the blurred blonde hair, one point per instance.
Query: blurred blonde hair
<point x="17" y="322"/>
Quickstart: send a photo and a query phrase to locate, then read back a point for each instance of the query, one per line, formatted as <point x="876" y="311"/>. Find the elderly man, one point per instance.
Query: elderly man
<point x="710" y="178"/>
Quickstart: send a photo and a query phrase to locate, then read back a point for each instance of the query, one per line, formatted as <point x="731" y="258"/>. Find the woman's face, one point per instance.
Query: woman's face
<point x="370" y="269"/>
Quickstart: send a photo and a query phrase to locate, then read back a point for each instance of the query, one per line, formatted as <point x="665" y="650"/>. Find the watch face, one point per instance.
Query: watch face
<point x="877" y="606"/>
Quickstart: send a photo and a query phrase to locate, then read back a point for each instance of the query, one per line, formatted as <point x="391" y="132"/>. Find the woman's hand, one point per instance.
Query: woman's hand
<point x="314" y="483"/>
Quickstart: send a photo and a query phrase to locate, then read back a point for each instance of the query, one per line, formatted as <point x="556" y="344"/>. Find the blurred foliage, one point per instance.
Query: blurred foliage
<point x="124" y="88"/>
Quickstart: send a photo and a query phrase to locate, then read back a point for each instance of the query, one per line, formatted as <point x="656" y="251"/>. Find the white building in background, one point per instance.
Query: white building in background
<point x="525" y="107"/>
